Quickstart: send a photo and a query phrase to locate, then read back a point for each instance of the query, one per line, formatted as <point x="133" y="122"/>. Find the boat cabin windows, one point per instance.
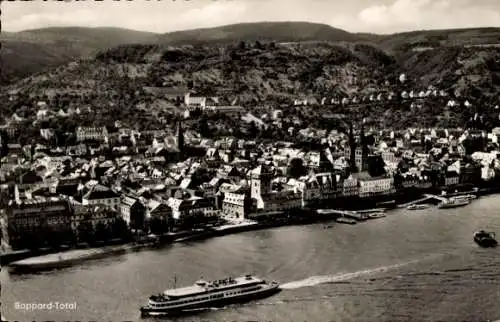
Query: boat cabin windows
<point x="209" y="297"/>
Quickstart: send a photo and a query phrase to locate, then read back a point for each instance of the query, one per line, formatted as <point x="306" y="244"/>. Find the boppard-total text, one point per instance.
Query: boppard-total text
<point x="65" y="306"/>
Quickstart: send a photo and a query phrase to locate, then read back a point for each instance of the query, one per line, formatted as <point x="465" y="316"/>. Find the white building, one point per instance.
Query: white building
<point x="101" y="195"/>
<point x="370" y="186"/>
<point x="92" y="133"/>
<point x="350" y="187"/>
<point x="234" y="204"/>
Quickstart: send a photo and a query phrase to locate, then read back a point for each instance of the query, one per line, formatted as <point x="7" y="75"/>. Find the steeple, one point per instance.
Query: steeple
<point x="364" y="148"/>
<point x="352" y="149"/>
<point x="180" y="137"/>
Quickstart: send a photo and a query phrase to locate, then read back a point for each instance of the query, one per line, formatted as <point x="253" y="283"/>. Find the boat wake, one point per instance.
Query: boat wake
<point x="204" y="309"/>
<point x="342" y="277"/>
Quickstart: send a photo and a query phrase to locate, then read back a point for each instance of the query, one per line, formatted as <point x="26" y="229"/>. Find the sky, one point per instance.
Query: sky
<point x="374" y="16"/>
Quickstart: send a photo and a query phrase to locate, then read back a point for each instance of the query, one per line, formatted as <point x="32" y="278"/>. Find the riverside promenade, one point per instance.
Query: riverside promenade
<point x="77" y="256"/>
<point x="72" y="257"/>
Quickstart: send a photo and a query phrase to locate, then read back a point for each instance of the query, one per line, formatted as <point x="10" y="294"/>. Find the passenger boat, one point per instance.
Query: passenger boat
<point x="485" y="239"/>
<point x="453" y="203"/>
<point x="206" y="294"/>
<point x="417" y="207"/>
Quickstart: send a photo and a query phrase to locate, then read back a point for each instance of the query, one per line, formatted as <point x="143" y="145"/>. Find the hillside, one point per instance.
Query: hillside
<point x="123" y="83"/>
<point x="32" y="51"/>
<point x="20" y="59"/>
<point x="29" y="52"/>
<point x="263" y="31"/>
<point x="436" y="38"/>
<point x="258" y="71"/>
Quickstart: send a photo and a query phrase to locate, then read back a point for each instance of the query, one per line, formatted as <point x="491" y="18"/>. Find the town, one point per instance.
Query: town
<point x="100" y="184"/>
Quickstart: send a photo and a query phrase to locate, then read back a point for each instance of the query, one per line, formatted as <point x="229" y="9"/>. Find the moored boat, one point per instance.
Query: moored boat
<point x="418" y="206"/>
<point x="371" y="211"/>
<point x="485" y="239"/>
<point x="464" y="197"/>
<point x="344" y="220"/>
<point x="376" y="215"/>
<point x="453" y="203"/>
<point x="357" y="216"/>
<point x="206" y="294"/>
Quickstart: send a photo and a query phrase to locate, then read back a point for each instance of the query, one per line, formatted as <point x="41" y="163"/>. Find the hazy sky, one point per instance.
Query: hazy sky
<point x="381" y="16"/>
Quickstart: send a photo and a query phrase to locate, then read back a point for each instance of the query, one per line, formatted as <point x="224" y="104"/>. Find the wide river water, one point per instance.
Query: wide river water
<point x="417" y="265"/>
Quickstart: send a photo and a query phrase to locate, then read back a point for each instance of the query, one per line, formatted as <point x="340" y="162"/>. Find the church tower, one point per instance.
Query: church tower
<point x="364" y="149"/>
<point x="180" y="138"/>
<point x="352" y="149"/>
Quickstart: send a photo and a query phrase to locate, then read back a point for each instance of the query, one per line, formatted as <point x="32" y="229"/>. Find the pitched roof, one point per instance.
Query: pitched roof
<point x="129" y="201"/>
<point x="261" y="169"/>
<point x="99" y="192"/>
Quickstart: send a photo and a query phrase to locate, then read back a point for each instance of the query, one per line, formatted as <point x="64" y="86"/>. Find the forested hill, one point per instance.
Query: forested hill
<point x="29" y="52"/>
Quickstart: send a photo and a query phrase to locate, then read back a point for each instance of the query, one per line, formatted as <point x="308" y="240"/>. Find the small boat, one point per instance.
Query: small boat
<point x="417" y="207"/>
<point x="207" y="294"/>
<point x="371" y="211"/>
<point x="464" y="197"/>
<point x="485" y="239"/>
<point x="389" y="203"/>
<point x="454" y="203"/>
<point x="356" y="215"/>
<point x="344" y="220"/>
<point x="376" y="215"/>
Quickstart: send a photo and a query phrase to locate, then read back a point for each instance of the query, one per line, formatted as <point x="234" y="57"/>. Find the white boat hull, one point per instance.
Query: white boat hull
<point x="264" y="291"/>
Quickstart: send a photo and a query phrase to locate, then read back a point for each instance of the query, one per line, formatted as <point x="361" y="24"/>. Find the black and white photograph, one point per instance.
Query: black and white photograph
<point x="250" y="160"/>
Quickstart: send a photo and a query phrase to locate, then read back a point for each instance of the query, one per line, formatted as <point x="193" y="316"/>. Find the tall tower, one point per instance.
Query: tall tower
<point x="364" y="149"/>
<point x="352" y="149"/>
<point x="180" y="137"/>
<point x="260" y="184"/>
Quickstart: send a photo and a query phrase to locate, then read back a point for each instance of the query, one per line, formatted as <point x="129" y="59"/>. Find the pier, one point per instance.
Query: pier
<point x="426" y="197"/>
<point x="335" y="213"/>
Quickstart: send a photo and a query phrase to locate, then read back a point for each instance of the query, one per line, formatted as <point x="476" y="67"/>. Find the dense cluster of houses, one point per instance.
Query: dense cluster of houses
<point x="235" y="178"/>
<point x="149" y="180"/>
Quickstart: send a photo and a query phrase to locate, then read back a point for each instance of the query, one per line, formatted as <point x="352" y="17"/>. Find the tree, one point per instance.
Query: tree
<point x="158" y="225"/>
<point x="376" y="166"/>
<point x="4" y="150"/>
<point x="120" y="230"/>
<point x="31" y="240"/>
<point x="259" y="45"/>
<point x="85" y="232"/>
<point x="204" y="128"/>
<point x="101" y="232"/>
<point x="53" y="237"/>
<point x="296" y="168"/>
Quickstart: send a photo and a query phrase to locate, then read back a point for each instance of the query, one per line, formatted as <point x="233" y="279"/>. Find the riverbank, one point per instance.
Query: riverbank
<point x="49" y="259"/>
<point x="406" y="259"/>
<point x="77" y="256"/>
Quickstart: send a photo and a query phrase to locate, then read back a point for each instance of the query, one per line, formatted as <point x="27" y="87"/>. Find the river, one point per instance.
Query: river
<point x="410" y="266"/>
